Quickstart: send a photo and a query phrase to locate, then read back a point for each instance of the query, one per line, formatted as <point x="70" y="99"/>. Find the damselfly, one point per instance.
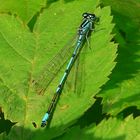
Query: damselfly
<point x="85" y="28"/>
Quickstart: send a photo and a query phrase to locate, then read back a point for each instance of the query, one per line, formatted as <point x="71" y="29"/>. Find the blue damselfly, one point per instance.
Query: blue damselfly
<point x="85" y="28"/>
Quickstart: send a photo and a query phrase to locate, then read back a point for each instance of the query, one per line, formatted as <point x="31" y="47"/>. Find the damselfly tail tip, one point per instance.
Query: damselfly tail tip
<point x="43" y="124"/>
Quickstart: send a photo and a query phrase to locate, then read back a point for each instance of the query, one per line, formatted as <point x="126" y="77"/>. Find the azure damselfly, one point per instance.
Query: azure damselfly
<point x="85" y="28"/>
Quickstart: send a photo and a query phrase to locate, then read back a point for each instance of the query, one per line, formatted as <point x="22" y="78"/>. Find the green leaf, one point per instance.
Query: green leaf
<point x="112" y="129"/>
<point x="131" y="8"/>
<point x="25" y="54"/>
<point x="24" y="9"/>
<point x="122" y="90"/>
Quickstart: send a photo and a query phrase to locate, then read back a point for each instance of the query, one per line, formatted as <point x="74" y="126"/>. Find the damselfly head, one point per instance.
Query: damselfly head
<point x="89" y="16"/>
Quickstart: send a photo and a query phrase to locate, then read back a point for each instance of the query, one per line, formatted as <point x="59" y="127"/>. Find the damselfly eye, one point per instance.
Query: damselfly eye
<point x="92" y="16"/>
<point x="85" y="15"/>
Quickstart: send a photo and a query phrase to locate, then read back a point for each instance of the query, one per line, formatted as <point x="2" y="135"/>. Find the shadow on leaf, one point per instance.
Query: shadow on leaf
<point x="127" y="60"/>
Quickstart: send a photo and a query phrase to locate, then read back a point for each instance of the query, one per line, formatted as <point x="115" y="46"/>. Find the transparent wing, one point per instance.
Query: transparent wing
<point x="53" y="67"/>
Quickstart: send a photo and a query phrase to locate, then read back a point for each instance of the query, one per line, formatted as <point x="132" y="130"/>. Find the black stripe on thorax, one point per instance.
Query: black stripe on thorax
<point x="84" y="23"/>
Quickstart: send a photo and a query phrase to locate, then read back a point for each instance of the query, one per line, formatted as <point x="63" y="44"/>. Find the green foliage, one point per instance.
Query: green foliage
<point x="25" y="9"/>
<point x="122" y="90"/>
<point x="32" y="33"/>
<point x="112" y="129"/>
